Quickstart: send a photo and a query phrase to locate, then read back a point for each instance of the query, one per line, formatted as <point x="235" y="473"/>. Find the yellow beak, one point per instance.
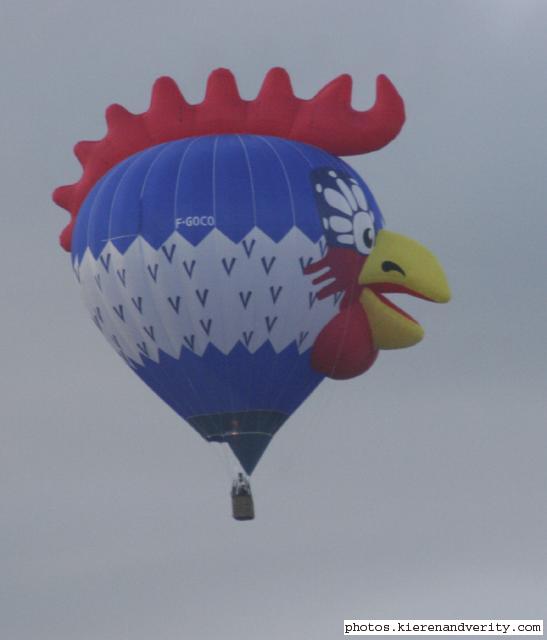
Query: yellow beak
<point x="399" y="264"/>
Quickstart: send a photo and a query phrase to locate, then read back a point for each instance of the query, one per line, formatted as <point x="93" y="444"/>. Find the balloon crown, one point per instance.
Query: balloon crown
<point x="327" y="121"/>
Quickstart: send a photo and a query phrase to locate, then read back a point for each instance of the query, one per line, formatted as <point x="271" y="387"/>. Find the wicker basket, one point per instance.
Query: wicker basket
<point x="243" y="507"/>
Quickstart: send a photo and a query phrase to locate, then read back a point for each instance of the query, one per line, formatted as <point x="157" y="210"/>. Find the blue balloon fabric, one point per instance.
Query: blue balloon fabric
<point x="191" y="256"/>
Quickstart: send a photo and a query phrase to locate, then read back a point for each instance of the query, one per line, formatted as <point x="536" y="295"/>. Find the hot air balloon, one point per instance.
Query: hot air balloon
<point x="234" y="261"/>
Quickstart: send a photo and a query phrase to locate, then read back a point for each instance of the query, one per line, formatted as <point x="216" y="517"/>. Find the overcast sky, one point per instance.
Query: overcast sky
<point x="415" y="491"/>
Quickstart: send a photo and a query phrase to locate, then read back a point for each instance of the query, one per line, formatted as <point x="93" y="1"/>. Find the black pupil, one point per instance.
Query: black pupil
<point x="367" y="237"/>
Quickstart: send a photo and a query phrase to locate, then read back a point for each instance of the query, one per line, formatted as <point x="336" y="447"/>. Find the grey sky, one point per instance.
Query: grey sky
<point x="418" y="490"/>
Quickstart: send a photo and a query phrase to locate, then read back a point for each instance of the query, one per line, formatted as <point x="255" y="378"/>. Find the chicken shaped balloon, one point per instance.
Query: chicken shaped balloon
<point x="233" y="260"/>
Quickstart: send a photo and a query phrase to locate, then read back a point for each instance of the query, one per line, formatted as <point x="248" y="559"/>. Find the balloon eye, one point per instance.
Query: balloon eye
<point x="363" y="232"/>
<point x="368" y="237"/>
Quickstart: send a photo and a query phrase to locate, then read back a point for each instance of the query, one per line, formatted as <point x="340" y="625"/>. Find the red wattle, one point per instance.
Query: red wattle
<point x="344" y="348"/>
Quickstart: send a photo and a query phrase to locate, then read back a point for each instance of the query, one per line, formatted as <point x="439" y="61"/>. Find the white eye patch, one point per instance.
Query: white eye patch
<point x="351" y="220"/>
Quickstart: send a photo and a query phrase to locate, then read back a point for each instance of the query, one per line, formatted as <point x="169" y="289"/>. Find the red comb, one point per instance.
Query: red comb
<point x="327" y="121"/>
